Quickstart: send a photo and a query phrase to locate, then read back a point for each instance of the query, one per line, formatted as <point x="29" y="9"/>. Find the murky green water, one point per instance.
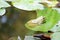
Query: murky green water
<point x="15" y="27"/>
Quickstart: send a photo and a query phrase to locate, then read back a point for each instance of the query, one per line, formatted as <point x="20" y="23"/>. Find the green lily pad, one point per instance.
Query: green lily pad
<point x="51" y="16"/>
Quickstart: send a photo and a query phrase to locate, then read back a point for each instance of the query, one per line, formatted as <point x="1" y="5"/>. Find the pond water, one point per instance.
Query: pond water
<point x="13" y="23"/>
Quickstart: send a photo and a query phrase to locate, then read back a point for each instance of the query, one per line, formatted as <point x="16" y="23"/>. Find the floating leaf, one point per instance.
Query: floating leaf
<point x="4" y="4"/>
<point x="55" y="36"/>
<point x="9" y="0"/>
<point x="58" y="9"/>
<point x="28" y="5"/>
<point x="2" y="12"/>
<point x="51" y="3"/>
<point x="56" y="27"/>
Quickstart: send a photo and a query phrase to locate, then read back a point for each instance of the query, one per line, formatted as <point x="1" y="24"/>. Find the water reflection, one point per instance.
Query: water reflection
<point x="4" y="19"/>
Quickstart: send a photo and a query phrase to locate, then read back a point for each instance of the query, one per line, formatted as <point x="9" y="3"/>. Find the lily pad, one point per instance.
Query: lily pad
<point x="55" y="36"/>
<point x="4" y="4"/>
<point x="28" y="5"/>
<point x="2" y="12"/>
<point x="51" y="16"/>
<point x="56" y="27"/>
